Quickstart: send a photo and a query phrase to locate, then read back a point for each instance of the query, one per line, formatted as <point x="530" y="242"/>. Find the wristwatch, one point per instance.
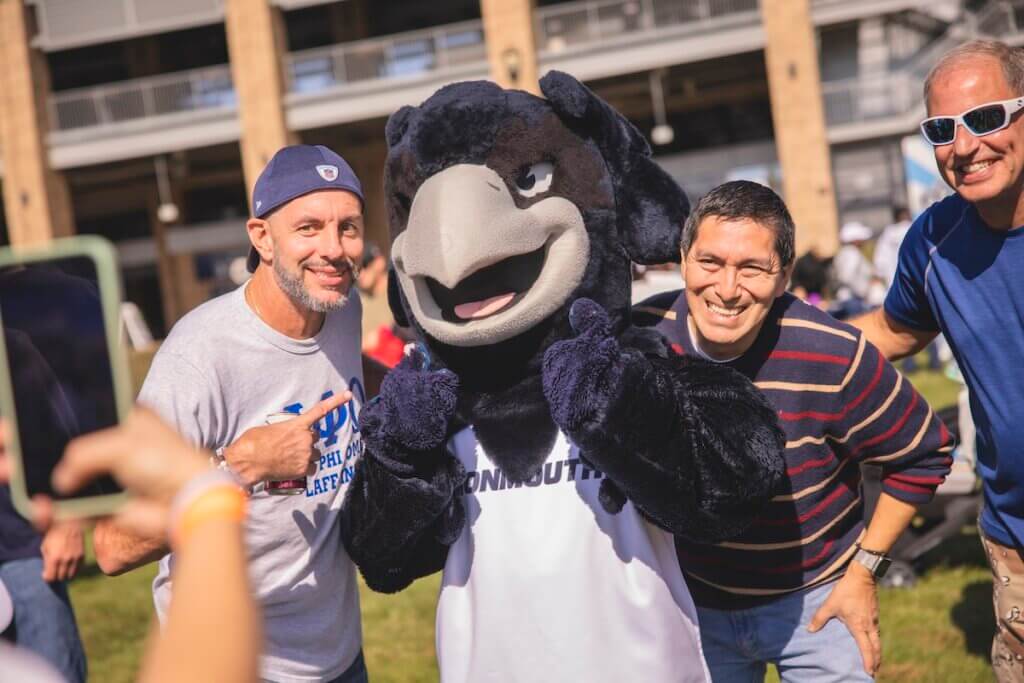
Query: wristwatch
<point x="875" y="562"/>
<point x="218" y="461"/>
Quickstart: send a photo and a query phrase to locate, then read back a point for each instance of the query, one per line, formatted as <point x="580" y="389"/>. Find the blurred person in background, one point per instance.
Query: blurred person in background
<point x="798" y="588"/>
<point x="373" y="271"/>
<point x="959" y="275"/>
<point x="373" y="290"/>
<point x="887" y="246"/>
<point x="651" y="280"/>
<point x="383" y="341"/>
<point x="886" y="259"/>
<point x="35" y="567"/>
<point x="269" y="377"/>
<point x="210" y="635"/>
<point x="811" y="281"/>
<point x="858" y="287"/>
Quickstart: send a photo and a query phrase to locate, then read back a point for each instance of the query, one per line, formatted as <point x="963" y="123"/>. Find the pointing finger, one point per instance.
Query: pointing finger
<point x="317" y="412"/>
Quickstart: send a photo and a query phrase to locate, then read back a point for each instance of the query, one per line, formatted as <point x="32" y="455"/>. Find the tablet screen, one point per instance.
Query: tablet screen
<point x="58" y="362"/>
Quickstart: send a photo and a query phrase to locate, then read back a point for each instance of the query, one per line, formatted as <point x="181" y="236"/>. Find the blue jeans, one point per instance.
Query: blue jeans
<point x="739" y="643"/>
<point x="43" y="619"/>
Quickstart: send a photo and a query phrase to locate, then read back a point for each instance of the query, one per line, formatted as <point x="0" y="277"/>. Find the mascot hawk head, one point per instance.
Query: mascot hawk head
<point x="506" y="207"/>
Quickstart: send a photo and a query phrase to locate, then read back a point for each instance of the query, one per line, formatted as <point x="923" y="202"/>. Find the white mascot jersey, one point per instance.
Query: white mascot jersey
<point x="544" y="585"/>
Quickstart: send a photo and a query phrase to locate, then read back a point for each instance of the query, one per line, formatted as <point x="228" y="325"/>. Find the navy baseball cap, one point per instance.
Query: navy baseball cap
<point x="294" y="171"/>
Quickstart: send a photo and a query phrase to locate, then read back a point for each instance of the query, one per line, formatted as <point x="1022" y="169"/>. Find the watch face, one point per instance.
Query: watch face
<point x="882" y="567"/>
<point x="877" y="565"/>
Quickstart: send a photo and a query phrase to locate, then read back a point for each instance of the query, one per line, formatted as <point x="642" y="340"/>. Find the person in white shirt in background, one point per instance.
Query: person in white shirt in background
<point x="651" y="280"/>
<point x="886" y="257"/>
<point x="858" y="286"/>
<point x="887" y="246"/>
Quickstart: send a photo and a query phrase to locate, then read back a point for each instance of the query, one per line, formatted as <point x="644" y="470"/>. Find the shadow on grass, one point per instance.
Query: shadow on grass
<point x="977" y="625"/>
<point x="88" y="570"/>
<point x="961" y="550"/>
<point x="972" y="613"/>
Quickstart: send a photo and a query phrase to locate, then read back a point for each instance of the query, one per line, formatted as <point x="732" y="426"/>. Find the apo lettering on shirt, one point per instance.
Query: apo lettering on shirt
<point x="341" y="460"/>
<point x="573" y="469"/>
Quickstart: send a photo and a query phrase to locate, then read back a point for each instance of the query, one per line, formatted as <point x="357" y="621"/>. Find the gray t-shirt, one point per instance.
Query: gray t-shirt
<point x="221" y="371"/>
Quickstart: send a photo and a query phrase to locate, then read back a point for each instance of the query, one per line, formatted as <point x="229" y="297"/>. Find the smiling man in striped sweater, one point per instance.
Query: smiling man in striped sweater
<point x="798" y="588"/>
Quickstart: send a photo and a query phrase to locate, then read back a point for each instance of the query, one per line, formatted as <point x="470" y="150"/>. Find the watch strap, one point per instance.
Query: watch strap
<point x="877" y="563"/>
<point x="219" y="462"/>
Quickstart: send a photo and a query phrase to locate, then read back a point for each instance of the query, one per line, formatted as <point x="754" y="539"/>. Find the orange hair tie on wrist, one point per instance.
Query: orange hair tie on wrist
<point x="218" y="503"/>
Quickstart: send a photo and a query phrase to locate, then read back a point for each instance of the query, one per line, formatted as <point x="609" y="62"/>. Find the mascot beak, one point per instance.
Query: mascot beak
<point x="461" y="220"/>
<point x="477" y="269"/>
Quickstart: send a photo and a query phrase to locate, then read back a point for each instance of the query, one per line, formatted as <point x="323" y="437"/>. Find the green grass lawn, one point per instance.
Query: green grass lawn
<point x="114" y="615"/>
<point x="939" y="390"/>
<point x="939" y="630"/>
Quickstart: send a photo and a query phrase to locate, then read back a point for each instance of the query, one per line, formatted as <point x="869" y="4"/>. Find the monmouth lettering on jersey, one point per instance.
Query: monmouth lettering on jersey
<point x="484" y="480"/>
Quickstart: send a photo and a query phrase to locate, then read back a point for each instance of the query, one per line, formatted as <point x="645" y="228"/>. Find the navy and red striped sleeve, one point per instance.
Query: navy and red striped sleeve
<point x="882" y="419"/>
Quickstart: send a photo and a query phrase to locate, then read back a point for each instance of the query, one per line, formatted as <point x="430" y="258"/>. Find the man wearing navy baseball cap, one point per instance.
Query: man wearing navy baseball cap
<point x="295" y="171"/>
<point x="269" y="376"/>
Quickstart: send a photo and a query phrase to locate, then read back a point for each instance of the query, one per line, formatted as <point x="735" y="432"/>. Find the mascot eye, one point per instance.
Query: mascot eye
<point x="533" y="180"/>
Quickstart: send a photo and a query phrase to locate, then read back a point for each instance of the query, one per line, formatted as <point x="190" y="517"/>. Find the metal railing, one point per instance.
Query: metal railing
<point x="70" y="23"/>
<point x="898" y="93"/>
<point x="571" y="25"/>
<point x="996" y="19"/>
<point x="405" y="55"/>
<point x="186" y="91"/>
<point x="453" y="47"/>
<point x="402" y="55"/>
<point x="863" y="99"/>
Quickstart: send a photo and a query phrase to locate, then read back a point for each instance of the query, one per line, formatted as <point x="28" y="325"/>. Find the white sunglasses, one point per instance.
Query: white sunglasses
<point x="984" y="119"/>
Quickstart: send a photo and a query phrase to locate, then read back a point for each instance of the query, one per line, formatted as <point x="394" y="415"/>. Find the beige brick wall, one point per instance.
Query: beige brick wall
<point x="511" y="45"/>
<point x="794" y="82"/>
<point x="36" y="200"/>
<point x="256" y="46"/>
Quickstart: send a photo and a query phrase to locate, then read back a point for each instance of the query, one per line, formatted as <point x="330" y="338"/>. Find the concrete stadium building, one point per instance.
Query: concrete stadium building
<point x="146" y="121"/>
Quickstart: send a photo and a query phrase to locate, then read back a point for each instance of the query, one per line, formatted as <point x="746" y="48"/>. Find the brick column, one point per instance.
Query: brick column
<point x="256" y="47"/>
<point x="511" y="45"/>
<point x="367" y="161"/>
<point x="36" y="199"/>
<point x="794" y="83"/>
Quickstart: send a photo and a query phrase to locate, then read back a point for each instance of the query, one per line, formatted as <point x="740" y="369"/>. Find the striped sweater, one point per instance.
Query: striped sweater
<point x="840" y="403"/>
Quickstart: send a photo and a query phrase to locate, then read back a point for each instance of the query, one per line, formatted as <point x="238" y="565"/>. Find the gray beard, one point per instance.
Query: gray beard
<point x="297" y="292"/>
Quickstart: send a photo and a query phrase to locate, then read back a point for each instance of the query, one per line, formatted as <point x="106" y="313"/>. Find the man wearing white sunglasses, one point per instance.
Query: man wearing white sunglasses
<point x="960" y="273"/>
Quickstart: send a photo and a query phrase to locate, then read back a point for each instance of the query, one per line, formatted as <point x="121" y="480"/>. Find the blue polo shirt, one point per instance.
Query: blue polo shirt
<point x="959" y="277"/>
